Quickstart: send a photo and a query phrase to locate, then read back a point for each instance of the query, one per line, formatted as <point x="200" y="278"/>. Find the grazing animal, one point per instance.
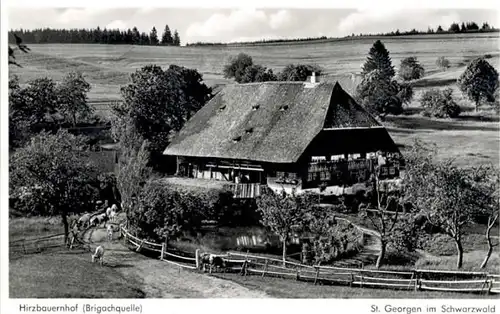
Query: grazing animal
<point x="84" y="220"/>
<point x="98" y="219"/>
<point x="212" y="260"/>
<point x="112" y="215"/>
<point x="109" y="230"/>
<point x="108" y="211"/>
<point x="98" y="256"/>
<point x="114" y="207"/>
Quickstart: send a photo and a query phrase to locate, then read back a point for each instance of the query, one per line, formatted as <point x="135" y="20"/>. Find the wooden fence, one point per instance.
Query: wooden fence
<point x="416" y="279"/>
<point x="37" y="245"/>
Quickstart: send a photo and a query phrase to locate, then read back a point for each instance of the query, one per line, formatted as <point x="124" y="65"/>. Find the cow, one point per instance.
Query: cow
<point x="84" y="221"/>
<point x="98" y="220"/>
<point x="98" y="256"/>
<point x="109" y="230"/>
<point x="212" y="261"/>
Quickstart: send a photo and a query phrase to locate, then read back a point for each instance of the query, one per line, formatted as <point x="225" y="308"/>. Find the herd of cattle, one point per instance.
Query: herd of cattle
<point x="207" y="260"/>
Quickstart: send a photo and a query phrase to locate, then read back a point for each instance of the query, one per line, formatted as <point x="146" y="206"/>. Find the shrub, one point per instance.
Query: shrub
<point x="343" y="240"/>
<point x="442" y="63"/>
<point x="298" y="72"/>
<point x="411" y="69"/>
<point x="236" y="67"/>
<point x="439" y="103"/>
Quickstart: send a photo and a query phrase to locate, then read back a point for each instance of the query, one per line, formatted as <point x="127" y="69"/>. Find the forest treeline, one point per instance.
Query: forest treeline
<point x="464" y="27"/>
<point x="98" y="36"/>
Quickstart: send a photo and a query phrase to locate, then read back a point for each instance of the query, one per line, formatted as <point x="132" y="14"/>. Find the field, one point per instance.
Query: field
<point x="471" y="139"/>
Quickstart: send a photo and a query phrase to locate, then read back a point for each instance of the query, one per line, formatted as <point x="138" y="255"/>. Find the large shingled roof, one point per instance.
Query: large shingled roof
<point x="268" y="122"/>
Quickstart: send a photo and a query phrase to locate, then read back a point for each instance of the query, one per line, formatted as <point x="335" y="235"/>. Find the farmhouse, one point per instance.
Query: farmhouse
<point x="307" y="136"/>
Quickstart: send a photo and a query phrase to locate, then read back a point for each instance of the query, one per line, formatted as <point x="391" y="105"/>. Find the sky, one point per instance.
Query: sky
<point x="246" y="24"/>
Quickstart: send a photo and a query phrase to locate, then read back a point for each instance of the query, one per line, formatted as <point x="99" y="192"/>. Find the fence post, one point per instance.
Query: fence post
<point x="352" y="280"/>
<point x="265" y="268"/>
<point x="317" y="275"/>
<point x="415" y="274"/>
<point x="197" y="257"/>
<point x="24" y="247"/>
<point x="297" y="278"/>
<point x="361" y="281"/>
<point x="162" y="251"/>
<point x="140" y="246"/>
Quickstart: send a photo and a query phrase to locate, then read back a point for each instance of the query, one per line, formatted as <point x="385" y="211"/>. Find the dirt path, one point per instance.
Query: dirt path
<point x="162" y="280"/>
<point x="368" y="254"/>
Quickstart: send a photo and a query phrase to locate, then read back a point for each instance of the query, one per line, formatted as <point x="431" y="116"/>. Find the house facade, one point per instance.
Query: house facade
<point x="286" y="135"/>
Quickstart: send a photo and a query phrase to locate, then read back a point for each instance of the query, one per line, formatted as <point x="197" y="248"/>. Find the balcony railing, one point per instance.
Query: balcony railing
<point x="244" y="190"/>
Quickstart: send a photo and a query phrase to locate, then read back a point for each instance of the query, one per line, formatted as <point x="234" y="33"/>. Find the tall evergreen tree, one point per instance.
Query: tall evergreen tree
<point x="176" y="39"/>
<point x="463" y="29"/>
<point x="378" y="59"/>
<point x="167" y="39"/>
<point x="136" y="36"/>
<point x="153" y="37"/>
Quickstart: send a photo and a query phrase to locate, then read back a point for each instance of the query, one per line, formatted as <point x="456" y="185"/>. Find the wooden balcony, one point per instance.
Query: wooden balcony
<point x="244" y="190"/>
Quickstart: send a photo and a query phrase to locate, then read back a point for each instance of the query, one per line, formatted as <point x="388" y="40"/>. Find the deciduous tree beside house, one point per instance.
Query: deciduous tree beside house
<point x="51" y="166"/>
<point x="284" y="213"/>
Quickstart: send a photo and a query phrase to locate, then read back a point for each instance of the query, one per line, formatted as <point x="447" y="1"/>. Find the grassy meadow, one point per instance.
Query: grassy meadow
<point x="471" y="139"/>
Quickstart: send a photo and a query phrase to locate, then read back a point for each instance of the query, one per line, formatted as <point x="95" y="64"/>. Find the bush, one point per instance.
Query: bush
<point x="439" y="103"/>
<point x="343" y="240"/>
<point x="411" y="69"/>
<point x="237" y="66"/>
<point x="298" y="72"/>
<point x="442" y="63"/>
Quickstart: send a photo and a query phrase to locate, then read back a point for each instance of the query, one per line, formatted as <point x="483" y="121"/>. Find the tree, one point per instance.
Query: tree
<point x="284" y="213"/>
<point x="257" y="73"/>
<point x="382" y="96"/>
<point x="479" y="81"/>
<point x="72" y="94"/>
<point x="153" y="37"/>
<point x="385" y="215"/>
<point x="439" y="103"/>
<point x="163" y="213"/>
<point x="158" y="102"/>
<point x="379" y="59"/>
<point x="442" y="63"/>
<point x="463" y="29"/>
<point x="53" y="166"/>
<point x="486" y="180"/>
<point x="448" y="196"/>
<point x="411" y="69"/>
<point x="236" y="67"/>
<point x="136" y="36"/>
<point x="166" y="38"/>
<point x="485" y="27"/>
<point x="176" y="40"/>
<point x="298" y="72"/>
<point x="133" y="172"/>
<point x="454" y="28"/>
<point x="439" y="29"/>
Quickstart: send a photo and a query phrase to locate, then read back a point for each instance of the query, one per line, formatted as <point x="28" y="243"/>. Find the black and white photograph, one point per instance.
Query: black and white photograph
<point x="160" y="152"/>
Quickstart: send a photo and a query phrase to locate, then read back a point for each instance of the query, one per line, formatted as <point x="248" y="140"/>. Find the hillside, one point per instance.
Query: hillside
<point x="471" y="139"/>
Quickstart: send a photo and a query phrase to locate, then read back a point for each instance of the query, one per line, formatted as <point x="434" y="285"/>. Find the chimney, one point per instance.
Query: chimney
<point x="313" y="78"/>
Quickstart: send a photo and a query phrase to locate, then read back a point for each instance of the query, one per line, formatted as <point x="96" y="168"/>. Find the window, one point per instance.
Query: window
<point x="318" y="158"/>
<point x="337" y="157"/>
<point x="354" y="156"/>
<point x="237" y="139"/>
